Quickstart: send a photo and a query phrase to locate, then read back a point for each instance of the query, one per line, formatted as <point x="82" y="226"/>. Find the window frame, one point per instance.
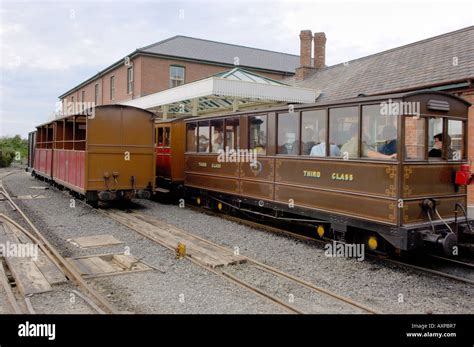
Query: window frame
<point x="222" y="121"/>
<point x="96" y="94"/>
<point x="171" y="79"/>
<point x="159" y="130"/>
<point x="358" y="107"/>
<point x="298" y="132"/>
<point x="130" y="80"/>
<point x="112" y="87"/>
<point x="463" y="134"/>
<point x="326" y="118"/>
<point x="195" y="123"/>
<point x="208" y="121"/>
<point x="444" y="158"/>
<point x="427" y="140"/>
<point x="266" y="131"/>
<point x="167" y="139"/>
<point x="361" y="129"/>
<point x="237" y="134"/>
<point x="83" y="98"/>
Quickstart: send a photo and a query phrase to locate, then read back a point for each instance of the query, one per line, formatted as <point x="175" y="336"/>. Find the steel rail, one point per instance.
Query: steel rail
<point x="379" y="257"/>
<point x="68" y="268"/>
<point x="226" y="276"/>
<point x="270" y="270"/>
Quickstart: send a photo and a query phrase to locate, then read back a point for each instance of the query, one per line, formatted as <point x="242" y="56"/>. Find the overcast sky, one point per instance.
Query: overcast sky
<point x="49" y="47"/>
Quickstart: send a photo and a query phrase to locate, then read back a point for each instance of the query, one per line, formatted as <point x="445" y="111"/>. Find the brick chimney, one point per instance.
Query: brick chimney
<point x="319" y="50"/>
<point x="305" y="48"/>
<point x="306" y="66"/>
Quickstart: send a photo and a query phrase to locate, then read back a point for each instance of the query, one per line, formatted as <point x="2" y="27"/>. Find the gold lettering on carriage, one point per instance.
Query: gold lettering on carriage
<point x="202" y="164"/>
<point x="342" y="176"/>
<point x="313" y="174"/>
<point x="216" y="165"/>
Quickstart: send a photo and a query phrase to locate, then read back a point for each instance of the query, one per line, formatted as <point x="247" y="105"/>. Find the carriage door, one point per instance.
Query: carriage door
<point x="163" y="152"/>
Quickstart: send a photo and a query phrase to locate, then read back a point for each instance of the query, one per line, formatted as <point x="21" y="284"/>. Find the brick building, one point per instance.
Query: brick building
<point x="173" y="62"/>
<point x="443" y="63"/>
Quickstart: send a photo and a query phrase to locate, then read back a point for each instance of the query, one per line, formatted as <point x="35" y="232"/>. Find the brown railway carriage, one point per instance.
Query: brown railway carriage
<point x="104" y="153"/>
<point x="382" y="178"/>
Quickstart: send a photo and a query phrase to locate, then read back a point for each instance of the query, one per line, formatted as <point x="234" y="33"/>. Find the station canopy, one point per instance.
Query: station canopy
<point x="233" y="90"/>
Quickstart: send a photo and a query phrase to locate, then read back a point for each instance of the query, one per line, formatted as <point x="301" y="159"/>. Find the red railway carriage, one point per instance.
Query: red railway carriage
<point x="43" y="153"/>
<point x="169" y="147"/>
<point x="31" y="149"/>
<point x="106" y="153"/>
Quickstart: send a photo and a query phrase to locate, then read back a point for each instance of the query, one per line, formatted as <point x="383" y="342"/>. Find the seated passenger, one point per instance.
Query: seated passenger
<point x="389" y="134"/>
<point x="217" y="140"/>
<point x="259" y="149"/>
<point x="283" y="149"/>
<point x="437" y="150"/>
<point x="319" y="150"/>
<point x="351" y="147"/>
<point x="308" y="144"/>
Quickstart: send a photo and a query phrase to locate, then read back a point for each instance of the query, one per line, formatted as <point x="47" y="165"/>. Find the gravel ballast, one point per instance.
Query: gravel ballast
<point x="185" y="287"/>
<point x="383" y="287"/>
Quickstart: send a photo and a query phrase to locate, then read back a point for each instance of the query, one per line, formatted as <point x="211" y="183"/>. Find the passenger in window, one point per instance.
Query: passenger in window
<point x="319" y="150"/>
<point x="217" y="140"/>
<point x="437" y="150"/>
<point x="389" y="134"/>
<point x="260" y="149"/>
<point x="351" y="147"/>
<point x="283" y="149"/>
<point x="308" y="142"/>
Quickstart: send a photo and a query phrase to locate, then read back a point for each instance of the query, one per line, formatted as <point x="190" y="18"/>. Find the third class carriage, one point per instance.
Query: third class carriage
<point x="385" y="179"/>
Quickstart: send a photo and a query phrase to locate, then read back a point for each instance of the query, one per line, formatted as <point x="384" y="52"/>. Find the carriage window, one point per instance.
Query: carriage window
<point x="288" y="124"/>
<point x="166" y="135"/>
<point x="217" y="133"/>
<point x="415" y="138"/>
<point x="379" y="133"/>
<point x="159" y="137"/>
<point x="191" y="137"/>
<point x="314" y="133"/>
<point x="344" y="132"/>
<point x="455" y="140"/>
<point x="258" y="134"/>
<point x="232" y="133"/>
<point x="203" y="137"/>
<point x="435" y="138"/>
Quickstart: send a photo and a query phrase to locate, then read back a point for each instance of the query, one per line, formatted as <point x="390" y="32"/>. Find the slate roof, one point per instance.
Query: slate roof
<point x="184" y="47"/>
<point x="220" y="52"/>
<point x="420" y="64"/>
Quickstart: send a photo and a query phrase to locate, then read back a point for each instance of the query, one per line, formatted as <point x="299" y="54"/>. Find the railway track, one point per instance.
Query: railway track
<point x="145" y="223"/>
<point x="443" y="271"/>
<point x="277" y="273"/>
<point x="23" y="305"/>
